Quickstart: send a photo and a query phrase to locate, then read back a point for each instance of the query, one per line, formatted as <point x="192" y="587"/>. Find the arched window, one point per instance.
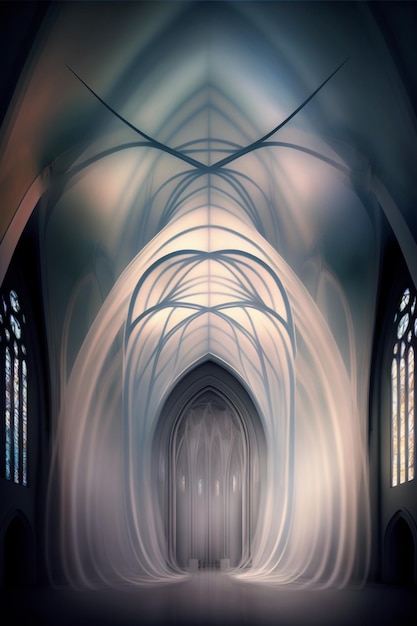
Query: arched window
<point x="403" y="390"/>
<point x="14" y="372"/>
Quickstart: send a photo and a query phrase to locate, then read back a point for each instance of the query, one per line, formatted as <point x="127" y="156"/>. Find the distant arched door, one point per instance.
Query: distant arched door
<point x="400" y="552"/>
<point x="19" y="568"/>
<point x="209" y="464"/>
<point x="210" y="486"/>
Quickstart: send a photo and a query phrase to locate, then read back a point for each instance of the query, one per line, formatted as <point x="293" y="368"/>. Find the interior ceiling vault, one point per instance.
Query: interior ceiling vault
<point x="240" y="68"/>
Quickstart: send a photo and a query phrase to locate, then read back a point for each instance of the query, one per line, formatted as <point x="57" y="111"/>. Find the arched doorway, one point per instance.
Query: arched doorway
<point x="210" y="483"/>
<point x="209" y="448"/>
<point x="19" y="568"/>
<point x="400" y="552"/>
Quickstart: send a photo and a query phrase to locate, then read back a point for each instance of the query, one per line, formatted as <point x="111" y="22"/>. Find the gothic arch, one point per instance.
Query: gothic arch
<point x="210" y="380"/>
<point x="400" y="548"/>
<point x="18" y="551"/>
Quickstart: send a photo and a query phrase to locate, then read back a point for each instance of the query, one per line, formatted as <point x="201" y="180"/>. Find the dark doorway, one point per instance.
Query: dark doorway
<point x="18" y="554"/>
<point x="401" y="553"/>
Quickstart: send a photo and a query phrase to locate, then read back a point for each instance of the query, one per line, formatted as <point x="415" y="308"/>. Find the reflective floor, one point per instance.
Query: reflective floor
<point x="210" y="598"/>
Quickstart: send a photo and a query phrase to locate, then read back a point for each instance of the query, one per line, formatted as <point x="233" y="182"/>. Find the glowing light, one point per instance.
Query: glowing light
<point x="410" y="406"/>
<point x="402" y="396"/>
<point x="394" y="424"/>
<point x="214" y="273"/>
<point x="8" y="411"/>
<point x="182" y="310"/>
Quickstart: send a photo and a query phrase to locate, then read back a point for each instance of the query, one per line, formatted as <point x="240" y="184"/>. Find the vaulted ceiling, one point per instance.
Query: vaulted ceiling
<point x="120" y="107"/>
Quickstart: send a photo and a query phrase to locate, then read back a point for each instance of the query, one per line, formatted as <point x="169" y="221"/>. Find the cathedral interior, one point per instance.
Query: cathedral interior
<point x="208" y="322"/>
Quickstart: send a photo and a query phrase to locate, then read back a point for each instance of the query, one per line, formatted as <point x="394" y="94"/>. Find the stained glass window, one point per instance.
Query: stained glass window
<point x="8" y="411"/>
<point x="15" y="399"/>
<point x="402" y="325"/>
<point x="403" y="391"/>
<point x="410" y="418"/>
<point x="405" y="299"/>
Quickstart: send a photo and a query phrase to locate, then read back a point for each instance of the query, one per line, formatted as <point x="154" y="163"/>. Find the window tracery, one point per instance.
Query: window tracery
<point x="403" y="391"/>
<point x="15" y="376"/>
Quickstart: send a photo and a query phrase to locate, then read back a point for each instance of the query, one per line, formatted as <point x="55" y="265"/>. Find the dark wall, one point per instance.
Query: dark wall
<point x="22" y="507"/>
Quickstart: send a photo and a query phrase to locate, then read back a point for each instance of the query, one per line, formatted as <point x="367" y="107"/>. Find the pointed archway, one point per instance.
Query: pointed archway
<point x="209" y="484"/>
<point x="401" y="550"/>
<point x="19" y="554"/>
<point x="209" y="449"/>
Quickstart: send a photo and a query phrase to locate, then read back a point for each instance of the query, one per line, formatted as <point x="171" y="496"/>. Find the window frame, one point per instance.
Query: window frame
<point x="14" y="398"/>
<point x="402" y="389"/>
